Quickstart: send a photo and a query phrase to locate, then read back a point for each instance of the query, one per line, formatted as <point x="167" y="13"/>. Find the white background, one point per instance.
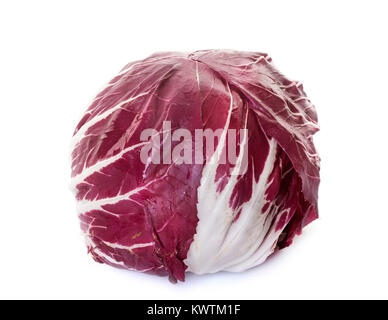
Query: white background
<point x="56" y="55"/>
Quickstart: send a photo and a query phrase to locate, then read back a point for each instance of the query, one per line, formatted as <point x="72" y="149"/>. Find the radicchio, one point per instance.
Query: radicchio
<point x="169" y="218"/>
